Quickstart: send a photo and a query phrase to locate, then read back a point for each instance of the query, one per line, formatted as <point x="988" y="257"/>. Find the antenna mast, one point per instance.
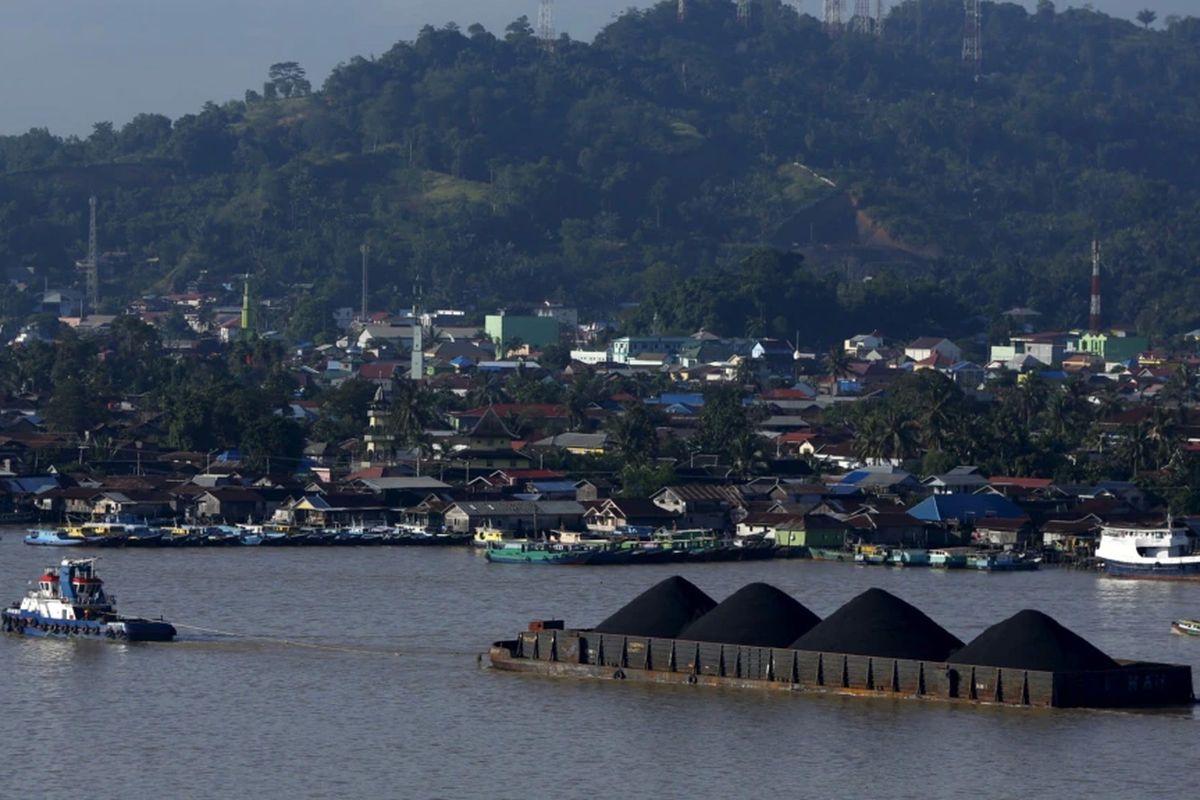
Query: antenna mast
<point x="365" y="249"/>
<point x="93" y="262"/>
<point x="972" y="49"/>
<point x="545" y="29"/>
<point x="833" y="16"/>
<point x="1094" y="321"/>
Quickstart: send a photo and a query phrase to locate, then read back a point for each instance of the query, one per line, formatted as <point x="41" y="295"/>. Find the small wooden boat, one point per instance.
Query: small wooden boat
<point x="1186" y="627"/>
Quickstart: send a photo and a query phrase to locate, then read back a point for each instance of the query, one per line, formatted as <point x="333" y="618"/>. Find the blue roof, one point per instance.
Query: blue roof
<point x="553" y="486"/>
<point x="854" y="477"/>
<point x="964" y="507"/>
<point x="34" y="484"/>
<point x="678" y="398"/>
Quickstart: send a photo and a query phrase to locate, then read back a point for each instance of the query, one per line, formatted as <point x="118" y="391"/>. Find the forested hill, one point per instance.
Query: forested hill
<point x="646" y="165"/>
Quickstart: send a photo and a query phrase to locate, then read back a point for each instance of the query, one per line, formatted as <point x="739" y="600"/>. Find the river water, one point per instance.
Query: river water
<point x="360" y="679"/>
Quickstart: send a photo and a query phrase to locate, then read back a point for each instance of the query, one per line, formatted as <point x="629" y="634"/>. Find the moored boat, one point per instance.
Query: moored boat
<point x="69" y="601"/>
<point x="1003" y="561"/>
<point x="1148" y="551"/>
<point x="521" y="552"/>
<point x="53" y="537"/>
<point x="947" y="558"/>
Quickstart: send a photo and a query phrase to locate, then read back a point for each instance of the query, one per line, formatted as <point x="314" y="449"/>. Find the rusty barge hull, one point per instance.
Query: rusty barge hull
<point x="586" y="654"/>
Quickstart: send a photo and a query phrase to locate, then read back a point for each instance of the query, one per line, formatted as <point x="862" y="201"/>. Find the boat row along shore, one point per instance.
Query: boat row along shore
<point x="877" y="644"/>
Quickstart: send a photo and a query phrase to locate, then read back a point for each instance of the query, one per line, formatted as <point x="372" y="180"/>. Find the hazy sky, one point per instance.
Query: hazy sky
<point x="65" y="64"/>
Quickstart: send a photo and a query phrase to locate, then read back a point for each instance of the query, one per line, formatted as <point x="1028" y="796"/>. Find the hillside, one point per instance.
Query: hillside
<point x="647" y="164"/>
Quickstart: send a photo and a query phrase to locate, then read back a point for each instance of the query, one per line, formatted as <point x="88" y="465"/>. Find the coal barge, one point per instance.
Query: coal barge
<point x="876" y="645"/>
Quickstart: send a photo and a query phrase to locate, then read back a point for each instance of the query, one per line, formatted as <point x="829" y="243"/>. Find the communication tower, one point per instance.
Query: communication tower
<point x="743" y="11"/>
<point x="972" y="49"/>
<point x="365" y="249"/>
<point x="860" y="20"/>
<point x="93" y="261"/>
<point x="545" y="29"/>
<point x="1094" y="320"/>
<point x="833" y="16"/>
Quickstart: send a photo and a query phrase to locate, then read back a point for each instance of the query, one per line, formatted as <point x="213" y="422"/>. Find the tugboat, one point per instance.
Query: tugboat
<point x="70" y="601"/>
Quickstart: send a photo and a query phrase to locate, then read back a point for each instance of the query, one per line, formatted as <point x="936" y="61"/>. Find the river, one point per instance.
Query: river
<point x="358" y="677"/>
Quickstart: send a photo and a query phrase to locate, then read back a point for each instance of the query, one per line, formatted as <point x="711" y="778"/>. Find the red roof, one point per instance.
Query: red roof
<point x="797" y="436"/>
<point x="543" y="410"/>
<point x="378" y="370"/>
<point x="1024" y="483"/>
<point x="787" y="394"/>
<point x="530" y="474"/>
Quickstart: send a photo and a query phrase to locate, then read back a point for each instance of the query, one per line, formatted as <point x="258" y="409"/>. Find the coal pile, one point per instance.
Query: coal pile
<point x="663" y="610"/>
<point x="758" y="615"/>
<point x="1031" y="640"/>
<point x="877" y="623"/>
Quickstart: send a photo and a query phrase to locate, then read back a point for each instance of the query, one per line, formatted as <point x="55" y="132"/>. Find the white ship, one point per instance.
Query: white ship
<point x="1148" y="551"/>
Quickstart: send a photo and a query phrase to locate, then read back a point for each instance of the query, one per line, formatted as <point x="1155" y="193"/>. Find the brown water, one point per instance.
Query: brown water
<point x="380" y="694"/>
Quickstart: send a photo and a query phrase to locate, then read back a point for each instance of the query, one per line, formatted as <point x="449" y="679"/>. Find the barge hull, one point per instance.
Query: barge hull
<point x="586" y="654"/>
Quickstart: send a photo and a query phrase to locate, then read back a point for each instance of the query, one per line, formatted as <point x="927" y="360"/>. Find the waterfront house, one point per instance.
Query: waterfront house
<point x="812" y="530"/>
<point x="701" y="506"/>
<point x="230" y="504"/>
<point x="520" y="516"/>
<point x="641" y="512"/>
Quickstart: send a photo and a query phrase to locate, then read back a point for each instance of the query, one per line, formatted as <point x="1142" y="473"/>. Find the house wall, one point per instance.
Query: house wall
<point x="536" y="331"/>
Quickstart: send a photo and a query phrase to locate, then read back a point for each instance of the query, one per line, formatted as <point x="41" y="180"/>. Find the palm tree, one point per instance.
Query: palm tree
<point x="836" y="362"/>
<point x="412" y="411"/>
<point x="632" y="435"/>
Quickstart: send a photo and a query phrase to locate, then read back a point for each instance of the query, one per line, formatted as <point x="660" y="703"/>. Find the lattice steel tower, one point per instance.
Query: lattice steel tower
<point x="545" y="28"/>
<point x="972" y="49"/>
<point x="365" y="249"/>
<point x="860" y="21"/>
<point x="93" y="260"/>
<point x="833" y="16"/>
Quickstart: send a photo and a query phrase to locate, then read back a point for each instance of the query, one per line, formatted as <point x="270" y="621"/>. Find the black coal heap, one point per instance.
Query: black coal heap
<point x="877" y="623"/>
<point x="1031" y="640"/>
<point x="758" y="615"/>
<point x="663" y="610"/>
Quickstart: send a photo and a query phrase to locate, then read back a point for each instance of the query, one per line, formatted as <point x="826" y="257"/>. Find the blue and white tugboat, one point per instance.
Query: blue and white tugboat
<point x="70" y="601"/>
<point x="1149" y="551"/>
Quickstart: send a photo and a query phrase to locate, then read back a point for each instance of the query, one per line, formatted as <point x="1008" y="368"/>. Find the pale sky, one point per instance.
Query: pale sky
<point x="65" y="64"/>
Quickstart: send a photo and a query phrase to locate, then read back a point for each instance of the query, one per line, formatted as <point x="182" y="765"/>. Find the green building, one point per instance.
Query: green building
<point x="814" y="530"/>
<point x="504" y="329"/>
<point x="1114" y="345"/>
